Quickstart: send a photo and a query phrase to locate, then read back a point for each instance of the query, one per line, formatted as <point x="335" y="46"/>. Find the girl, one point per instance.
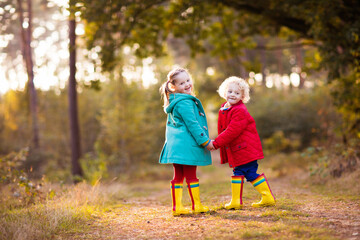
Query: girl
<point x="186" y="138"/>
<point x="240" y="144"/>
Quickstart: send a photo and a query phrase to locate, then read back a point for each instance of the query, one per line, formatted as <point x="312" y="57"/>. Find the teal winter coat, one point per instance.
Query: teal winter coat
<point x="186" y="130"/>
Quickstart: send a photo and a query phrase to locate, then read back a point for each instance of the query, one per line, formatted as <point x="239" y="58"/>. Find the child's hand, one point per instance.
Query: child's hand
<point x="210" y="146"/>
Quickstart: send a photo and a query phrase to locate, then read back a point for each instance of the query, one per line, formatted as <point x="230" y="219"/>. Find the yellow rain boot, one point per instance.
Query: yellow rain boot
<point x="194" y="193"/>
<point x="237" y="183"/>
<point x="176" y="196"/>
<point x="262" y="186"/>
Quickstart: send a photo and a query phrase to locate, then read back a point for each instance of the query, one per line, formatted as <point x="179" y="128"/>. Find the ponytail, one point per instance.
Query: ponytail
<point x="165" y="92"/>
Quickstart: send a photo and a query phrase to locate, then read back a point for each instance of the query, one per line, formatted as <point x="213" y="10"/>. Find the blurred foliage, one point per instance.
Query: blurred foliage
<point x="225" y="29"/>
<point x="54" y="154"/>
<point x="44" y="25"/>
<point x="9" y="165"/>
<point x="225" y="25"/>
<point x="123" y="125"/>
<point x="118" y="25"/>
<point x="279" y="143"/>
<point x="334" y="161"/>
<point x="122" y="122"/>
<point x="14" y="121"/>
<point x="346" y="95"/>
<point x="14" y="177"/>
<point x="94" y="167"/>
<point x="131" y="125"/>
<point x="294" y="119"/>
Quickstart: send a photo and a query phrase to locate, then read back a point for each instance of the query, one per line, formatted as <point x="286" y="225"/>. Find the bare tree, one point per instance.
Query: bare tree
<point x="26" y="37"/>
<point x="299" y="63"/>
<point x="73" y="106"/>
<point x="262" y="44"/>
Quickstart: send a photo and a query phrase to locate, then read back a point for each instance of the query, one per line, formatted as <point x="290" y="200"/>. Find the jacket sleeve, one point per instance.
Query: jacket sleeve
<point x="236" y="126"/>
<point x="185" y="108"/>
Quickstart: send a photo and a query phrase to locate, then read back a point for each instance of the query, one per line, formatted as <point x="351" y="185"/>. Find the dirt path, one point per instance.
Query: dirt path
<point x="299" y="214"/>
<point x="335" y="213"/>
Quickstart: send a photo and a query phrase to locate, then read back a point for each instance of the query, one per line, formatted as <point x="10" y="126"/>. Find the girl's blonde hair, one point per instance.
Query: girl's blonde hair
<point x="171" y="78"/>
<point x="242" y="84"/>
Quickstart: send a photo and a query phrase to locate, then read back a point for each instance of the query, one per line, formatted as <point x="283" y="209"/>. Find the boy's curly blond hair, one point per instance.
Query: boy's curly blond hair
<point x="243" y="86"/>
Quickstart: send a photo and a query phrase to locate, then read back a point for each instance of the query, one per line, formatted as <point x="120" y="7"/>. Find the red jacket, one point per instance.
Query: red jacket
<point x="238" y="139"/>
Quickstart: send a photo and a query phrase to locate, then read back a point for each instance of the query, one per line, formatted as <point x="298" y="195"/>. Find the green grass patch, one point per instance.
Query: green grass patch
<point x="254" y="235"/>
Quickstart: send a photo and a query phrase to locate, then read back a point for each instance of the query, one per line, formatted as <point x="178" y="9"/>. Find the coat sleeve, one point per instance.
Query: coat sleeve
<point x="236" y="126"/>
<point x="185" y="108"/>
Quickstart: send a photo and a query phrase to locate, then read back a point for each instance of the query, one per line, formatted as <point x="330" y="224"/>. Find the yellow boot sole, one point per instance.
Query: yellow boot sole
<point x="233" y="207"/>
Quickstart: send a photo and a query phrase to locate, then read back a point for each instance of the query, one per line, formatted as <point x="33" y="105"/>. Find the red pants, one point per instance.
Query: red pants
<point x="184" y="171"/>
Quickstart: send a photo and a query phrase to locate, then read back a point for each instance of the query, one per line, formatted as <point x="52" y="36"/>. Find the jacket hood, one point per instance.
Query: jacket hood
<point x="174" y="98"/>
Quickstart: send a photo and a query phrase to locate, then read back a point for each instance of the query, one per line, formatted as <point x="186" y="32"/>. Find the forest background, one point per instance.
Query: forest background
<point x="79" y="87"/>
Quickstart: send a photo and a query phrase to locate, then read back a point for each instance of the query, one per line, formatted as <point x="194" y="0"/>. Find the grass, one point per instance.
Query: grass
<point x="68" y="212"/>
<point x="138" y="209"/>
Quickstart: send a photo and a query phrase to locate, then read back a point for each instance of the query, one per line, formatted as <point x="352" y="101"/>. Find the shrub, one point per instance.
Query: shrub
<point x="303" y="117"/>
<point x="334" y="161"/>
<point x="13" y="176"/>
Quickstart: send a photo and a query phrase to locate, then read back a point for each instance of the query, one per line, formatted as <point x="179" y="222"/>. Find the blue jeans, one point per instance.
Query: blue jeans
<point x="249" y="170"/>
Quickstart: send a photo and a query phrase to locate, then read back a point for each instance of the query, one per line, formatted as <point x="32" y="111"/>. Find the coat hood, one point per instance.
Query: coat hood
<point x="174" y="98"/>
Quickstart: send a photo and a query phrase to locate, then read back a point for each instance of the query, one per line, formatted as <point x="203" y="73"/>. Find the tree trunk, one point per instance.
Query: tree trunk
<point x="242" y="69"/>
<point x="243" y="73"/>
<point x="263" y="60"/>
<point x="279" y="58"/>
<point x="73" y="109"/>
<point x="299" y="63"/>
<point x="27" y="56"/>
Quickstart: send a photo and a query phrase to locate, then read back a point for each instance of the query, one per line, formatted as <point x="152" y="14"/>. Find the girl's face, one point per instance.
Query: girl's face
<point x="233" y="94"/>
<point x="183" y="83"/>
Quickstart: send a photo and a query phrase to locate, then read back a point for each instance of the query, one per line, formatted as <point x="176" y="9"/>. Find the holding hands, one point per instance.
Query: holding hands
<point x="210" y="146"/>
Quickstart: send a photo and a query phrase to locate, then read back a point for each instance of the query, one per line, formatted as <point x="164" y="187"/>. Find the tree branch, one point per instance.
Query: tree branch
<point x="280" y="17"/>
<point x="285" y="46"/>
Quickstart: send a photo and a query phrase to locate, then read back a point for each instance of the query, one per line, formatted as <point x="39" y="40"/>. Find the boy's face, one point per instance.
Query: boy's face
<point x="233" y="94"/>
<point x="183" y="83"/>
